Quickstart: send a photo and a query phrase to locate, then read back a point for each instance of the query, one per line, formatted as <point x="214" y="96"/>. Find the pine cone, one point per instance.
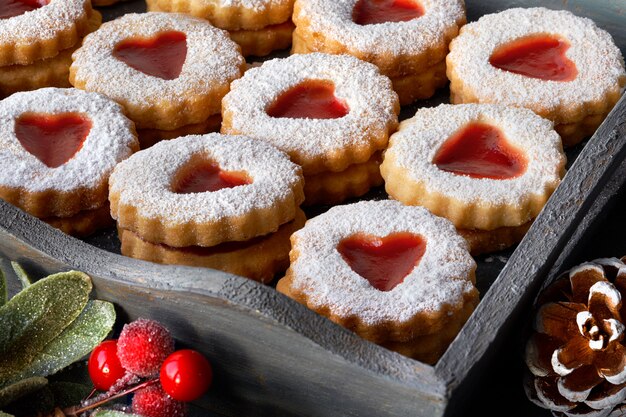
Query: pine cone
<point x="576" y="356"/>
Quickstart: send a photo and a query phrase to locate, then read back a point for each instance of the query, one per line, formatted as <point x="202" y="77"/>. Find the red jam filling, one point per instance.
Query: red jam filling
<point x="201" y="176"/>
<point x="313" y="99"/>
<point x="540" y="56"/>
<point x="480" y="150"/>
<point x="161" y="56"/>
<point x="369" y="12"/>
<point x="386" y="261"/>
<point x="53" y="138"/>
<point x="12" y="8"/>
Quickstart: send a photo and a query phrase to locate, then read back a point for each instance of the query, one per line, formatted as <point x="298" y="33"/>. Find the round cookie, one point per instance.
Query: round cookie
<point x="387" y="271"/>
<point x="205" y="190"/>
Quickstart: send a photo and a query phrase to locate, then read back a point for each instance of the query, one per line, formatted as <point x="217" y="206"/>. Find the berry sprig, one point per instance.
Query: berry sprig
<point x="143" y="361"/>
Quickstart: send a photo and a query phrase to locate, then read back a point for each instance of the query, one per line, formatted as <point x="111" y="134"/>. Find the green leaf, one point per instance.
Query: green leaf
<point x="36" y="403"/>
<point x="4" y="291"/>
<point x="21" y="274"/>
<point x="112" y="413"/>
<point x="67" y="394"/>
<point x="3" y="414"/>
<point x="77" y="340"/>
<point x="36" y="316"/>
<point x="20" y="389"/>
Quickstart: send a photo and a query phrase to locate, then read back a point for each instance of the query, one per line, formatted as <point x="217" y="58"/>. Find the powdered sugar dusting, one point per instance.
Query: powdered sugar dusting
<point x="419" y="139"/>
<point x="334" y="19"/>
<point x="144" y="180"/>
<point x="46" y="22"/>
<point x="441" y="277"/>
<point x="255" y="5"/>
<point x="356" y="82"/>
<point x="212" y="61"/>
<point x="598" y="60"/>
<point x="110" y="140"/>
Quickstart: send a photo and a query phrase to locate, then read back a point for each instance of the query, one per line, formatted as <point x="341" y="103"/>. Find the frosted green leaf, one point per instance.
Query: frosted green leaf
<point x="4" y="292"/>
<point x="112" y="413"/>
<point x="77" y="340"/>
<point x="20" y="389"/>
<point x="21" y="274"/>
<point x="36" y="316"/>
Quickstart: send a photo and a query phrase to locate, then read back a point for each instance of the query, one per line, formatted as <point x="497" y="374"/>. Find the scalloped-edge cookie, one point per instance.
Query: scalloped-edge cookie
<point x="58" y="148"/>
<point x="386" y="271"/>
<point x="205" y="190"/>
<point x="167" y="70"/>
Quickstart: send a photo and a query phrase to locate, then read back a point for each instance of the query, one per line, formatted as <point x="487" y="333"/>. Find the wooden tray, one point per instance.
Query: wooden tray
<point x="275" y="357"/>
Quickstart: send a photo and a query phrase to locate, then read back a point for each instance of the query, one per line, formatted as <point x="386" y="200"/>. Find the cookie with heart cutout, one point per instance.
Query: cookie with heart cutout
<point x="167" y="70"/>
<point x="58" y="148"/>
<point x="318" y="109"/>
<point x="481" y="166"/>
<point x="204" y="190"/>
<point x="386" y="271"/>
<point x="32" y="30"/>
<point x="561" y="66"/>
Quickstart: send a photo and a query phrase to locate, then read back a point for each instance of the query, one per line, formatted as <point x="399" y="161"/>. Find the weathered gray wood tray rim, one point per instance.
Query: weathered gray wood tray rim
<point x="275" y="357"/>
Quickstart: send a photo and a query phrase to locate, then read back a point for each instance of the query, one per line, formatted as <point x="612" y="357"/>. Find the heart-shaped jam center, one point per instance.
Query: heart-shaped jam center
<point x="480" y="150"/>
<point x="383" y="261"/>
<point x="53" y="138"/>
<point x="312" y="99"/>
<point x="201" y="175"/>
<point x="369" y="12"/>
<point x="538" y="56"/>
<point x="12" y="8"/>
<point x="161" y="56"/>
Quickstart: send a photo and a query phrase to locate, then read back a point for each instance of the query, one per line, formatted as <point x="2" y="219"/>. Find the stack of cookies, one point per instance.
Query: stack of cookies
<point x="258" y="26"/>
<point x="217" y="201"/>
<point x="396" y="275"/>
<point x="489" y="169"/>
<point x="37" y="40"/>
<point x="58" y="148"/>
<point x="318" y="108"/>
<point x="169" y="72"/>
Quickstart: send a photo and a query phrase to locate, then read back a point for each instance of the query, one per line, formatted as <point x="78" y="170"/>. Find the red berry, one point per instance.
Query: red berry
<point x="152" y="401"/>
<point x="186" y="375"/>
<point x="104" y="365"/>
<point x="142" y="347"/>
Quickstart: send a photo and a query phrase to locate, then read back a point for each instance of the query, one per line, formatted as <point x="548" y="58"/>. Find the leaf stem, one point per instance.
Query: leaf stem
<point x="74" y="411"/>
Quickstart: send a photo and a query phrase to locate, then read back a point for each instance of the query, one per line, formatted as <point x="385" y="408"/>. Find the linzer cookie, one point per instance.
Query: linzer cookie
<point x="396" y="275"/>
<point x="561" y="66"/>
<point x="48" y="72"/>
<point x="489" y="169"/>
<point x="211" y="200"/>
<point x="408" y="40"/>
<point x="258" y="26"/>
<point x="317" y="108"/>
<point x="58" y="148"/>
<point x="35" y="30"/>
<point x="168" y="70"/>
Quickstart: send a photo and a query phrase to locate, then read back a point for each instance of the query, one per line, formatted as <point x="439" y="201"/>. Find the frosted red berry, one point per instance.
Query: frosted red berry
<point x="143" y="345"/>
<point x="104" y="365"/>
<point x="152" y="401"/>
<point x="186" y="375"/>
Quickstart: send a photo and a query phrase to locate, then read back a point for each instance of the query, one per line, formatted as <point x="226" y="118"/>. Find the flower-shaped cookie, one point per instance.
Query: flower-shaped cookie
<point x="576" y="355"/>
